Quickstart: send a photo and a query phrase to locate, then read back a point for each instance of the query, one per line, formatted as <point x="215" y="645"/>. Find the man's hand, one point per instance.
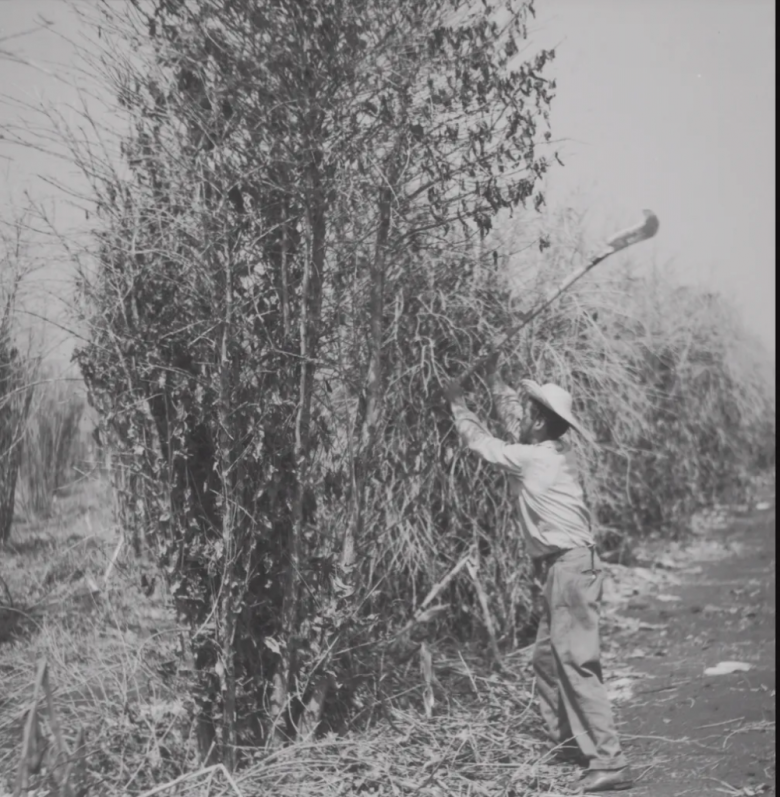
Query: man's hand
<point x="453" y="391"/>
<point x="525" y="384"/>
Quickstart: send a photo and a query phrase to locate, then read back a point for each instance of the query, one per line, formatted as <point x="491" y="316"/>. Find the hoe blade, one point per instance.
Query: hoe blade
<point x="639" y="232"/>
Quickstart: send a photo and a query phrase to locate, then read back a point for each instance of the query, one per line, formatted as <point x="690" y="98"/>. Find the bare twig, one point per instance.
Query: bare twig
<point x="432" y="594"/>
<point x="30" y="731"/>
<point x="483" y="602"/>
<point x="6" y="589"/>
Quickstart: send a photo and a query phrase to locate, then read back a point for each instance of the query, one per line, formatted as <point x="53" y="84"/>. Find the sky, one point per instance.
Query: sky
<point x="670" y="105"/>
<point x="661" y="104"/>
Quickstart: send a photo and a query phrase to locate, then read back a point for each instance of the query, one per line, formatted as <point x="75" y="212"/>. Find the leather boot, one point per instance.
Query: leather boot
<point x="598" y="780"/>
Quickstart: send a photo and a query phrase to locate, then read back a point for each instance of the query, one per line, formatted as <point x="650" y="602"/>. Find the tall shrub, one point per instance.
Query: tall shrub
<point x="271" y="309"/>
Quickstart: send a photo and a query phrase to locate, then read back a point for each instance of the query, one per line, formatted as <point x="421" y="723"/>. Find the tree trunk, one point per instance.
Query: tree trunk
<point x="309" y="329"/>
<point x="374" y="387"/>
<point x="226" y="667"/>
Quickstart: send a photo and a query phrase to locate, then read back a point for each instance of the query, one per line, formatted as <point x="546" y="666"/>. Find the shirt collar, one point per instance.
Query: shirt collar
<point x="556" y="445"/>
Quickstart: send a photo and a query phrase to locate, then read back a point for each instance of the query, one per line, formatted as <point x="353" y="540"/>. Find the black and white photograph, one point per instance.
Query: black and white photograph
<point x="387" y="398"/>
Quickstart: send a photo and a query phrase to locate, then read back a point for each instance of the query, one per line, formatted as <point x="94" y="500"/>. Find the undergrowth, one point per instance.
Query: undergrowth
<point x="103" y="621"/>
<point x="107" y="630"/>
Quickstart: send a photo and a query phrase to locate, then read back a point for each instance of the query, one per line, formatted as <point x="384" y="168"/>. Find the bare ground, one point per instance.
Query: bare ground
<point x="693" y="734"/>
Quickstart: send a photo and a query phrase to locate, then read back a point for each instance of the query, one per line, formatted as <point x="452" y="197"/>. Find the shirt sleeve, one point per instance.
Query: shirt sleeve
<point x="513" y="458"/>
<point x="509" y="406"/>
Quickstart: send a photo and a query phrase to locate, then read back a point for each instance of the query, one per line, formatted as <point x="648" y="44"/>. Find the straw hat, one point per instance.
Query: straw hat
<point x="557" y="400"/>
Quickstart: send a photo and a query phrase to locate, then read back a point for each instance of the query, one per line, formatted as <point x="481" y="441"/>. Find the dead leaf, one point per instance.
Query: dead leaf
<point x="728" y="667"/>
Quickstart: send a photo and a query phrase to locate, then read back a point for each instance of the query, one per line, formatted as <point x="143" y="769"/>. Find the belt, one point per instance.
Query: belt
<point x="546" y="561"/>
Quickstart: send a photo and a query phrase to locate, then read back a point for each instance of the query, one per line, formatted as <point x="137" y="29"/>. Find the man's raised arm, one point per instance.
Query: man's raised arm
<point x="509" y="405"/>
<point x="509" y="457"/>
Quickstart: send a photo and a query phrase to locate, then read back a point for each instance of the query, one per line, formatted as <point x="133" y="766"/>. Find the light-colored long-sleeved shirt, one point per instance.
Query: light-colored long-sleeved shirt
<point x="543" y="478"/>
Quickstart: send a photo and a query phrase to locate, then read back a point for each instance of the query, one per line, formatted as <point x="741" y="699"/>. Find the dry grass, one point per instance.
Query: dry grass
<point x="114" y="667"/>
<point x="54" y="443"/>
<point x="108" y="647"/>
<point x="482" y="738"/>
<point x="116" y="672"/>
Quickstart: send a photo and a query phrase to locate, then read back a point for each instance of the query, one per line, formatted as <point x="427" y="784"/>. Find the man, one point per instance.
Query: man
<point x="544" y="480"/>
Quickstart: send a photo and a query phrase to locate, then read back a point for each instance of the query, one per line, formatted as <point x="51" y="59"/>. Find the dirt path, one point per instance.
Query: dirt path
<point x="685" y="732"/>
